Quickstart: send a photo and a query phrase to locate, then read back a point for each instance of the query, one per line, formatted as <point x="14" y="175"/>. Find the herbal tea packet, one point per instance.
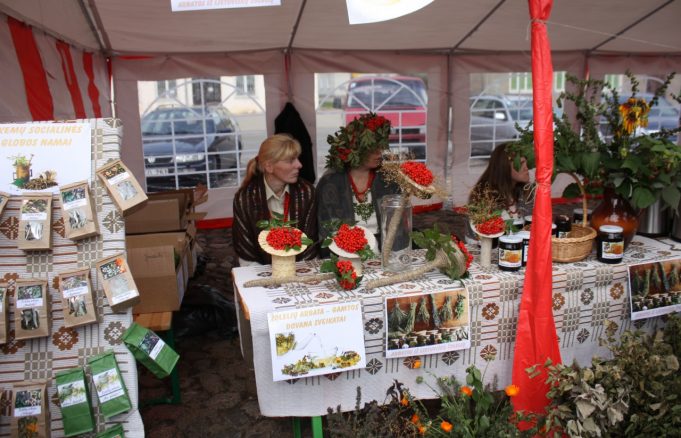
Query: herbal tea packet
<point x="112" y="432"/>
<point x="124" y="189"/>
<point x="35" y="222"/>
<point x="118" y="284"/>
<point x="4" y="198"/>
<point x="77" y="210"/>
<point x="149" y="349"/>
<point x="74" y="402"/>
<point x="32" y="317"/>
<point x="76" y="298"/>
<point x="30" y="417"/>
<point x="4" y="313"/>
<point x="111" y="391"/>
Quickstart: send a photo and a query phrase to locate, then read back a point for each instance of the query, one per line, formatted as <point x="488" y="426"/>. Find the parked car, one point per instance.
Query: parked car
<point x="401" y="99"/>
<point x="493" y="121"/>
<point x="189" y="143"/>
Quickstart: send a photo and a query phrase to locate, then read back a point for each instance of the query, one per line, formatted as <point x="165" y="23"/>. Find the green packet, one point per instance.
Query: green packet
<point x="74" y="402"/>
<point x="150" y="350"/>
<point x="111" y="391"/>
<point x="112" y="432"/>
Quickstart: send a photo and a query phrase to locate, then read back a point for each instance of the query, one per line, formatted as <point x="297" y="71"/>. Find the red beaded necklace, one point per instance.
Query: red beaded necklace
<point x="360" y="196"/>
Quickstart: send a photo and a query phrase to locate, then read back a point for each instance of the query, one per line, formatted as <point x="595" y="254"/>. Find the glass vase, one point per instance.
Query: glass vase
<point x="396" y="226"/>
<point x="616" y="210"/>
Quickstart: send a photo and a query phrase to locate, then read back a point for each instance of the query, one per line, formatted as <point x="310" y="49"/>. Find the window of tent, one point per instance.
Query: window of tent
<point x="341" y="97"/>
<point x="194" y="130"/>
<point x="497" y="102"/>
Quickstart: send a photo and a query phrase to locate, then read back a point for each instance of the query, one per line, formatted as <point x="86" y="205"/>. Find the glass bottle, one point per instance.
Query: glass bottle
<point x="396" y="226"/>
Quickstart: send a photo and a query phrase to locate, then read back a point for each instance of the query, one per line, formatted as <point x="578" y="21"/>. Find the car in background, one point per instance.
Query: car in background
<point x="401" y="99"/>
<point x="189" y="142"/>
<point x="493" y="121"/>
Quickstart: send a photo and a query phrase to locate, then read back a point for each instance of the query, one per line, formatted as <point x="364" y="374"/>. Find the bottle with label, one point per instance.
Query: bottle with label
<point x="526" y="244"/>
<point x="610" y="243"/>
<point x="510" y="252"/>
<point x="563" y="227"/>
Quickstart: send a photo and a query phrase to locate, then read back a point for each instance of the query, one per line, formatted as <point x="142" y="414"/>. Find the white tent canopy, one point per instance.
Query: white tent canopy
<point x="447" y="40"/>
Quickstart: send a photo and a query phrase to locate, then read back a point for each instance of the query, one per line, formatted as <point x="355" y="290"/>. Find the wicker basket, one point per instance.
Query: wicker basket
<point x="574" y="248"/>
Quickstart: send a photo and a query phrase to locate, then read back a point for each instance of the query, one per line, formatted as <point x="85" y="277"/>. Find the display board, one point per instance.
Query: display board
<point x="43" y="358"/>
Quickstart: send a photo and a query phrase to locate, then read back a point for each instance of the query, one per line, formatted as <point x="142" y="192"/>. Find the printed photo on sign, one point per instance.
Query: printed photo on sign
<point x="113" y="268"/>
<point x="28" y="403"/>
<point x="316" y="340"/>
<point x="33" y="156"/>
<point x="427" y="323"/>
<point x="655" y="288"/>
<point x="71" y="393"/>
<point x="74" y="197"/>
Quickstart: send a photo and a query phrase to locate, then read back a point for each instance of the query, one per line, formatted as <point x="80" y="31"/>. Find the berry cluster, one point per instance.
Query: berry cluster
<point x="494" y="225"/>
<point x="347" y="277"/>
<point x="344" y="153"/>
<point x="464" y="250"/>
<point x="350" y="239"/>
<point x="417" y="172"/>
<point x="375" y="122"/>
<point x="284" y="238"/>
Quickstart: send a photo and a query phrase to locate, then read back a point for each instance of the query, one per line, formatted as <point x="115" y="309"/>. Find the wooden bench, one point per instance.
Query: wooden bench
<point x="162" y="324"/>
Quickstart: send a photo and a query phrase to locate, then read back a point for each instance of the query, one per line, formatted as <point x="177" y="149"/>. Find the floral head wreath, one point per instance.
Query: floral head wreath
<point x="351" y="144"/>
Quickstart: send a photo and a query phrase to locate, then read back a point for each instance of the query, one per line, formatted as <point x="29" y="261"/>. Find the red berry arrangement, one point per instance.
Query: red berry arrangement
<point x="494" y="225"/>
<point x="464" y="250"/>
<point x="417" y="172"/>
<point x="375" y="122"/>
<point x="284" y="238"/>
<point x="350" y="239"/>
<point x="346" y="275"/>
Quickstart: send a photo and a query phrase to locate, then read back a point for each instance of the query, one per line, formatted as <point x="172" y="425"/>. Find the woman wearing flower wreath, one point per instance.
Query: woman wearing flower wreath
<point x="505" y="182"/>
<point x="272" y="186"/>
<point x="351" y="190"/>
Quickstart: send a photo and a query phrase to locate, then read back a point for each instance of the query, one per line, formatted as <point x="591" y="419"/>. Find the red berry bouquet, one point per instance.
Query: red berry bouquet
<point x="351" y="242"/>
<point x="280" y="235"/>
<point x="484" y="214"/>
<point x="346" y="275"/>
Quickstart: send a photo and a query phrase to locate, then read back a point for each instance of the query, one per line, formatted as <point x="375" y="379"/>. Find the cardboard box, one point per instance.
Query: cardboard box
<point x="161" y="282"/>
<point x="164" y="211"/>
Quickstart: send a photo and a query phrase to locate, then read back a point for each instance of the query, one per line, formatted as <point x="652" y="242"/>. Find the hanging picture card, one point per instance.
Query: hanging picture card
<point x="31" y="415"/>
<point x="316" y="340"/>
<point x="43" y="156"/>
<point x="35" y="222"/>
<point x="655" y="288"/>
<point x="124" y="189"/>
<point x="4" y="313"/>
<point x="77" y="210"/>
<point x="427" y="323"/>
<point x="32" y="317"/>
<point x="75" y="289"/>
<point x="119" y="286"/>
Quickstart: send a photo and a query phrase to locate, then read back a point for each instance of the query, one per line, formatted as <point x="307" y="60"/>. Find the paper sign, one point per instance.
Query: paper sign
<point x="316" y="340"/>
<point x="42" y="156"/>
<point x="199" y="5"/>
<point x="427" y="323"/>
<point x="655" y="288"/>
<point x="373" y="11"/>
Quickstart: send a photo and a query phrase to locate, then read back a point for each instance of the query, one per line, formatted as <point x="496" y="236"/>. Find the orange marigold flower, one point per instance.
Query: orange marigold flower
<point x="446" y="426"/>
<point x="512" y="390"/>
<point x="404" y="401"/>
<point x="415" y="418"/>
<point x="422" y="430"/>
<point x="466" y="390"/>
<point x="417" y="363"/>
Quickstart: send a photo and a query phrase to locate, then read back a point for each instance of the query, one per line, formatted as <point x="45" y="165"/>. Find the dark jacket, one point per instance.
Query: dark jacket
<point x="290" y="122"/>
<point x="250" y="206"/>
<point x="335" y="198"/>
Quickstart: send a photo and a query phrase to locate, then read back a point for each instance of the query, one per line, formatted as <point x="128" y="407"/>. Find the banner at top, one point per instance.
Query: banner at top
<point x="374" y="11"/>
<point x="199" y="5"/>
<point x="40" y="157"/>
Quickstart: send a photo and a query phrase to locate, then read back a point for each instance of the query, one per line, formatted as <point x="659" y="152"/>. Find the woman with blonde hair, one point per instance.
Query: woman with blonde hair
<point x="271" y="186"/>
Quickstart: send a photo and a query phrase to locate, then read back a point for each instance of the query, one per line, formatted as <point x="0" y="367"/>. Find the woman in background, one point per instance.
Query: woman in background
<point x="271" y="186"/>
<point x="505" y="182"/>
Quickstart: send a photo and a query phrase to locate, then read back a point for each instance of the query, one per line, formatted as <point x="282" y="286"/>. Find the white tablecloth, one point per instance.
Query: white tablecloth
<point x="585" y="295"/>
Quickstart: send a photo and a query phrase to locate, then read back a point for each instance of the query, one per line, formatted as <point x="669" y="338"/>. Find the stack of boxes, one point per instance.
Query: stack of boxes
<point x="162" y="249"/>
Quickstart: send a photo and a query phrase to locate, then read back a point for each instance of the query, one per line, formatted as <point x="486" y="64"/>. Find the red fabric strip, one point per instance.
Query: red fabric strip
<point x="38" y="94"/>
<point x="209" y="224"/>
<point x="71" y="79"/>
<point x="92" y="90"/>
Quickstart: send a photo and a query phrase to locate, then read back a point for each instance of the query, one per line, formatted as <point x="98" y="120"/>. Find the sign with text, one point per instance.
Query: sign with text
<point x="316" y="340"/>
<point x="655" y="288"/>
<point x="42" y="156"/>
<point x="373" y="11"/>
<point x="427" y="323"/>
<point x="200" y="5"/>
